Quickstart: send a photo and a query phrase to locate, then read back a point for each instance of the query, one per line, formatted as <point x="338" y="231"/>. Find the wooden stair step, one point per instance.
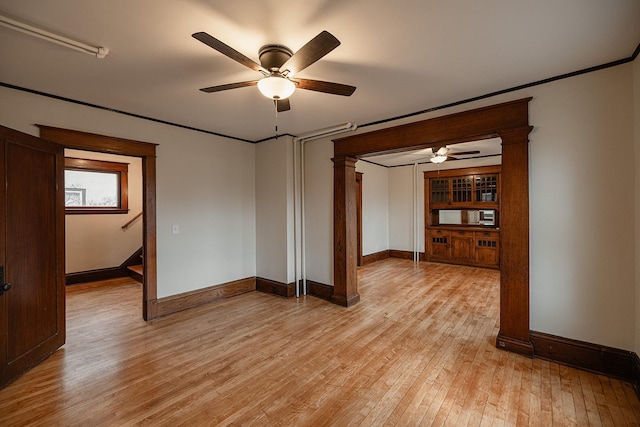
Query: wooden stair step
<point x="136" y="268"/>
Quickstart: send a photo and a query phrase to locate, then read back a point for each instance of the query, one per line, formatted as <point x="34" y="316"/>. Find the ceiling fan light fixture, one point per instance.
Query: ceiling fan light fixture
<point x="276" y="87"/>
<point x="439" y="158"/>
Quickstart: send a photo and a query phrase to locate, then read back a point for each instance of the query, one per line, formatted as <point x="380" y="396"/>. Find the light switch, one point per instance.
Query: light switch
<point x="175" y="228"/>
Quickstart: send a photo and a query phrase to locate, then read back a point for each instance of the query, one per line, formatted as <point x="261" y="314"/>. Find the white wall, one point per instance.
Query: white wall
<point x="319" y="210"/>
<point x="274" y="242"/>
<point x="205" y="184"/>
<point x="375" y="207"/>
<point x="98" y="241"/>
<point x="582" y="249"/>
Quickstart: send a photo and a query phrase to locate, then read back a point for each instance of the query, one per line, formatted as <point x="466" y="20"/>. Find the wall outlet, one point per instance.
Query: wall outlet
<point x="175" y="229"/>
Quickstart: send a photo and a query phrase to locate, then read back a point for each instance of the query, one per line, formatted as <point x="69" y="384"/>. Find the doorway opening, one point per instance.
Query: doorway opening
<point x="508" y="121"/>
<point x="71" y="139"/>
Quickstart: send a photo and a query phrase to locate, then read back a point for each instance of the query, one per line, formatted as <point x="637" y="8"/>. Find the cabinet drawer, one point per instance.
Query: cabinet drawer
<point x="488" y="235"/>
<point x="440" y="233"/>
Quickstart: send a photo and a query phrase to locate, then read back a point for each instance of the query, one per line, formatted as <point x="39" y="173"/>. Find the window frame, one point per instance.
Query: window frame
<point x="88" y="165"/>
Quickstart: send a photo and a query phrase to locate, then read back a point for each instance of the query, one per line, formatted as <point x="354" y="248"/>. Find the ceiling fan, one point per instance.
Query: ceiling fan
<point x="279" y="65"/>
<point x="442" y="154"/>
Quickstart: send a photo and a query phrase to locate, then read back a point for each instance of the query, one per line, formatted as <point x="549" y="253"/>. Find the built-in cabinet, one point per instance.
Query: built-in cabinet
<point x="462" y="216"/>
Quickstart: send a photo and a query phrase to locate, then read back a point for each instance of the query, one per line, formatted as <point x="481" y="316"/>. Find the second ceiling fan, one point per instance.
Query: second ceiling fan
<point x="279" y="65"/>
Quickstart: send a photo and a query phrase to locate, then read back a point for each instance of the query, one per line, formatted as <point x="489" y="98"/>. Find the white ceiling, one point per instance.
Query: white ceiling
<point x="404" y="56"/>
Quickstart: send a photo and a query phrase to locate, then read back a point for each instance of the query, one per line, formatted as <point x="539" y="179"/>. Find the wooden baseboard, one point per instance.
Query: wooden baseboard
<point x="268" y="286"/>
<point x="319" y="290"/>
<point x="635" y="375"/>
<point x="378" y="256"/>
<point x="134" y="259"/>
<point x="105" y="273"/>
<point x="515" y="346"/>
<point x="596" y="358"/>
<point x="394" y="253"/>
<point x="175" y="303"/>
<point x="95" y="275"/>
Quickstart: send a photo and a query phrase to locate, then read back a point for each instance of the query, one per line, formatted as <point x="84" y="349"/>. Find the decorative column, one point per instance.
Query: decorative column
<point x="514" y="242"/>
<point x="345" y="283"/>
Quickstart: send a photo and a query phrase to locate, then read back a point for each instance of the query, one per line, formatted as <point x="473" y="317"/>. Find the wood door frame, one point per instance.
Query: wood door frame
<point x="147" y="151"/>
<point x="510" y="122"/>
<point x="359" y="219"/>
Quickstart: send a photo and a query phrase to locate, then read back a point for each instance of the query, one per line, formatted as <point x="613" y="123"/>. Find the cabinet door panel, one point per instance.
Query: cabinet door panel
<point x="462" y="246"/>
<point x="439" y="245"/>
<point x="487" y="248"/>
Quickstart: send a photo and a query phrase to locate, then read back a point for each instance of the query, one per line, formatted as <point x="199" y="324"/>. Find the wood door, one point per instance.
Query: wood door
<point x="32" y="319"/>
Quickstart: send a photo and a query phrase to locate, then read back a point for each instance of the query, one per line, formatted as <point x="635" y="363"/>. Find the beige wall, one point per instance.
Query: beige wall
<point x="98" y="241"/>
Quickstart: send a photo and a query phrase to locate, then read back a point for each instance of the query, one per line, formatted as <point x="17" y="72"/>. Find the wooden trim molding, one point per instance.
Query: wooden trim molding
<point x="147" y="151"/>
<point x="89" y="165"/>
<point x="479" y="170"/>
<point x="601" y="359"/>
<point x="395" y="253"/>
<point x="186" y="300"/>
<point x="377" y="256"/>
<point x="635" y="374"/>
<point x="510" y="122"/>
<point x="268" y="286"/>
<point x="345" y="234"/>
<point x="319" y="290"/>
<point x="94" y="275"/>
<point x="104" y="273"/>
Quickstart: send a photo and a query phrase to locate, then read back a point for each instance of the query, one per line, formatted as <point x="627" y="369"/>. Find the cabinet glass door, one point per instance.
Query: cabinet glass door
<point x="462" y="189"/>
<point x="439" y="190"/>
<point x="486" y="188"/>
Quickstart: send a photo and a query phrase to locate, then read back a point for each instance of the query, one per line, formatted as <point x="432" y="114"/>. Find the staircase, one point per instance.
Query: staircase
<point x="136" y="272"/>
<point x="135" y="269"/>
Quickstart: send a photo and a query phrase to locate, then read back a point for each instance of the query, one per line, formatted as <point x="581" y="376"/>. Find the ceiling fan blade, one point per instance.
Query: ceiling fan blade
<point x="229" y="86"/>
<point x="326" y="87"/>
<point x="442" y="151"/>
<point x="229" y="51"/>
<point x="315" y="49"/>
<point x="283" y="105"/>
<point x="465" y="153"/>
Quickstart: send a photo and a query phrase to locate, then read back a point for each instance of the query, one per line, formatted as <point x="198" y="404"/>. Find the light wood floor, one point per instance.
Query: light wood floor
<point x="418" y="350"/>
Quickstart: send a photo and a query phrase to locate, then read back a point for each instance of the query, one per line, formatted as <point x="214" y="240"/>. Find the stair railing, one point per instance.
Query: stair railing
<point x="131" y="221"/>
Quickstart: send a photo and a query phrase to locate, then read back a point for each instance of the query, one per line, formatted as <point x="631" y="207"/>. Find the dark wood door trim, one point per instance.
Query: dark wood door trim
<point x="345" y="245"/>
<point x="509" y="121"/>
<point x="125" y="147"/>
<point x="359" y="217"/>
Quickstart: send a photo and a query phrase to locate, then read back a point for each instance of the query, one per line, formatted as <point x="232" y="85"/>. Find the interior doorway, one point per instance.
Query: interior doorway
<point x="72" y="139"/>
<point x="508" y="121"/>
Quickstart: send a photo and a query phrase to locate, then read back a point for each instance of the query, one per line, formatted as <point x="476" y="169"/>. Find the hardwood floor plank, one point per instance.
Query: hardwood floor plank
<point x="419" y="349"/>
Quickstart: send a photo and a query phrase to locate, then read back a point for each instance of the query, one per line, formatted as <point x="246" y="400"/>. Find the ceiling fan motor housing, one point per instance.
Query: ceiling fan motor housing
<point x="272" y="56"/>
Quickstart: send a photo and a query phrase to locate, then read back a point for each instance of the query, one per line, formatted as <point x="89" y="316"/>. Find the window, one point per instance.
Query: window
<point x="95" y="186"/>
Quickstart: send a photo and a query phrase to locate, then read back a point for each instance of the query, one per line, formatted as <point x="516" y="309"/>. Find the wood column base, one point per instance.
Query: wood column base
<point x="345" y="301"/>
<point x="524" y="348"/>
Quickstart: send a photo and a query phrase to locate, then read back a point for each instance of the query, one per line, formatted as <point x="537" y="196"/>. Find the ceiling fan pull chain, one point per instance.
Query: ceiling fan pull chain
<point x="275" y="104"/>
